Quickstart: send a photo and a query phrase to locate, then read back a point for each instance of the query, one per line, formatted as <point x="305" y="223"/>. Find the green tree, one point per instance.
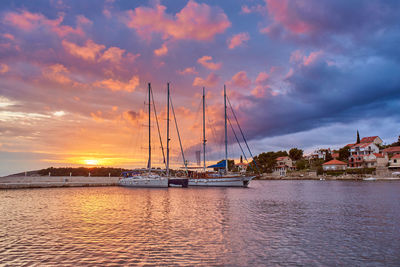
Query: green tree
<point x="344" y="153"/>
<point x="301" y="164"/>
<point x="266" y="161"/>
<point x="295" y="153"/>
<point x="358" y="137"/>
<point x="328" y="156"/>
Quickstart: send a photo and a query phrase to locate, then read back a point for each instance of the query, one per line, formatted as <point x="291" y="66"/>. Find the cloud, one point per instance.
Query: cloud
<point x="262" y="78"/>
<point x="210" y="81"/>
<point x="163" y="50"/>
<point x="298" y="57"/>
<point x="320" y="94"/>
<point x="194" y="22"/>
<point x="28" y="21"/>
<point x="57" y="73"/>
<point x="240" y="79"/>
<point x="112" y="54"/>
<point x="188" y="70"/>
<point x="89" y="51"/>
<point x="206" y="62"/>
<point x="238" y="40"/>
<point x="3" y="68"/>
<point x="116" y="85"/>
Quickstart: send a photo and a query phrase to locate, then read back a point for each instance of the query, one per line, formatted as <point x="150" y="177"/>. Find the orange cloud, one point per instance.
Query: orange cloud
<point x="194" y="22"/>
<point x="88" y="52"/>
<point x="238" y="39"/>
<point x="116" y="85"/>
<point x="58" y="73"/>
<point x="205" y="61"/>
<point x="28" y="21"/>
<point x="210" y="81"/>
<point x="240" y="79"/>
<point x="113" y="54"/>
<point x="3" y="68"/>
<point x="163" y="50"/>
<point x="189" y="70"/>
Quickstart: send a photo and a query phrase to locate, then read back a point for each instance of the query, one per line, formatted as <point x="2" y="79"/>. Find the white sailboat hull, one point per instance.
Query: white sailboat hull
<point x="239" y="181"/>
<point x="144" y="182"/>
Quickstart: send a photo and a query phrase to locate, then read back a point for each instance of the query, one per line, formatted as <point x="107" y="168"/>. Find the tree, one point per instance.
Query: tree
<point x="344" y="153"/>
<point x="328" y="156"/>
<point x="266" y="161"/>
<point x="358" y="137"/>
<point x="295" y="153"/>
<point x="301" y="164"/>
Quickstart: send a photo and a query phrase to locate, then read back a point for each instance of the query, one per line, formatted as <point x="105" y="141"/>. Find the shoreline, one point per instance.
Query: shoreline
<point x="21" y="182"/>
<point x="17" y="182"/>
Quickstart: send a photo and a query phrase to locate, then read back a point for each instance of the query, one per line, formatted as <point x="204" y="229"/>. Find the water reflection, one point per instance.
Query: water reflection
<point x="282" y="222"/>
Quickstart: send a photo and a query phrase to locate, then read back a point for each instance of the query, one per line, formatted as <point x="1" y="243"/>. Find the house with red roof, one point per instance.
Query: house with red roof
<point x="394" y="162"/>
<point x="364" y="149"/>
<point x="334" y="165"/>
<point x="283" y="164"/>
<point x="372" y="139"/>
<point x="390" y="151"/>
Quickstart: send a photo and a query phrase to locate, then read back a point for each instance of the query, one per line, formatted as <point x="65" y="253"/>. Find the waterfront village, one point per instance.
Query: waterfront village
<point x="367" y="156"/>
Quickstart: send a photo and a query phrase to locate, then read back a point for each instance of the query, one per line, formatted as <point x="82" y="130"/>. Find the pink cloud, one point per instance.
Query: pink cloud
<point x="238" y="39"/>
<point x="252" y="9"/>
<point x="116" y="85"/>
<point x="189" y="70"/>
<point x="3" y="68"/>
<point x="89" y="51"/>
<point x="262" y="78"/>
<point x="210" y="81"/>
<point x="312" y="57"/>
<point x="8" y="36"/>
<point x="298" y="57"/>
<point x="113" y="54"/>
<point x="57" y="73"/>
<point x="282" y="13"/>
<point x="240" y="79"/>
<point x="194" y="22"/>
<point x="163" y="50"/>
<point x="28" y="21"/>
<point x="206" y="62"/>
<point x="259" y="91"/>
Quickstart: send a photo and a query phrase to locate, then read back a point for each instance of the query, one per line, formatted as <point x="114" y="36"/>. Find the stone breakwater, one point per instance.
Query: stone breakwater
<point x="14" y="182"/>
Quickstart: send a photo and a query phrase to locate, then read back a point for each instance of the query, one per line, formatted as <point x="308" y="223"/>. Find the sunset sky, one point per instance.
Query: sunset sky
<point x="306" y="74"/>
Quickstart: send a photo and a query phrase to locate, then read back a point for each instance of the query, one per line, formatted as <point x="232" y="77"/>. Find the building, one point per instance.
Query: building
<point x="283" y="164"/>
<point x="335" y="155"/>
<point x="372" y="139"/>
<point x="242" y="167"/>
<point x="372" y="160"/>
<point x="334" y="165"/>
<point x="320" y="153"/>
<point x="363" y="149"/>
<point x="390" y="151"/>
<point x="394" y="162"/>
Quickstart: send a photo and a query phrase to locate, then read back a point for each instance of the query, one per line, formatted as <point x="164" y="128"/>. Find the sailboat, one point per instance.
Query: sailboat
<point x="143" y="179"/>
<point x="223" y="179"/>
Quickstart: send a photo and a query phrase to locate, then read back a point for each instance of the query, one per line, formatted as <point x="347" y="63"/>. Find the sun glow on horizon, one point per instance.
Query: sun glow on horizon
<point x="91" y="162"/>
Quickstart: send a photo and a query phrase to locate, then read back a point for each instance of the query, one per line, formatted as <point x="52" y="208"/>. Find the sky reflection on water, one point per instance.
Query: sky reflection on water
<point x="273" y="222"/>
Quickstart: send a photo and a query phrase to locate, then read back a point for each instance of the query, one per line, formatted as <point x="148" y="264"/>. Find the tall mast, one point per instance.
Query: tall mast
<point x="149" y="163"/>
<point x="226" y="134"/>
<point x="167" y="129"/>
<point x="204" y="131"/>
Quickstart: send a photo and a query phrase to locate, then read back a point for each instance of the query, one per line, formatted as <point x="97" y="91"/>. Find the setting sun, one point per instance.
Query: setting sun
<point x="91" y="162"/>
